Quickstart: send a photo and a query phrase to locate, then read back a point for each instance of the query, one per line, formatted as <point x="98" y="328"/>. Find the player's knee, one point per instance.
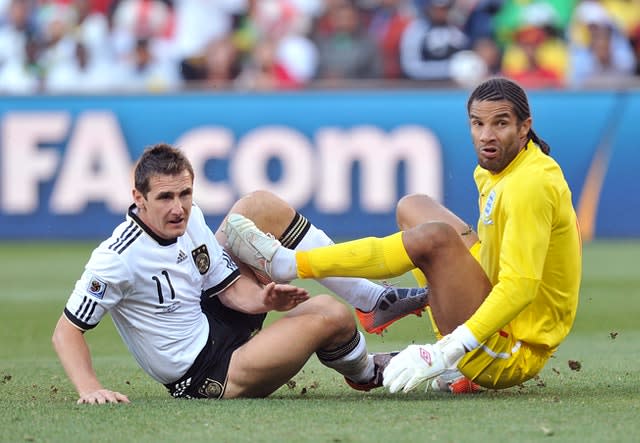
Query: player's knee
<point x="248" y="203"/>
<point x="428" y="238"/>
<point x="410" y="208"/>
<point x="268" y="211"/>
<point x="336" y="316"/>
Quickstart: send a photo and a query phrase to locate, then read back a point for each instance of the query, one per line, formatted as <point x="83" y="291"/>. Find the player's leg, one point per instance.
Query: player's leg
<point x="273" y="215"/>
<point x="415" y="209"/>
<point x="455" y="277"/>
<point x="377" y="306"/>
<point x="272" y="357"/>
<point x="458" y="284"/>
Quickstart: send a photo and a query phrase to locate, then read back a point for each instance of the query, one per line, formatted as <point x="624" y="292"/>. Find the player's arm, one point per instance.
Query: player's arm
<point x="525" y="243"/>
<point x="73" y="352"/>
<point x="247" y="296"/>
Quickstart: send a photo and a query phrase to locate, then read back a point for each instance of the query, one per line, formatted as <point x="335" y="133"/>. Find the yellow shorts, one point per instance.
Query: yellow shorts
<point x="503" y="361"/>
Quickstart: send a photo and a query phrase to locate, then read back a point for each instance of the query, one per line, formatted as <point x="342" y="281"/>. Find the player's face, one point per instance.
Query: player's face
<point x="497" y="135"/>
<point x="167" y="207"/>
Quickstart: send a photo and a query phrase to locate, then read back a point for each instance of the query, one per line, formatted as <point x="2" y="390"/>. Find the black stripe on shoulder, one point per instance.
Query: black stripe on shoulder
<point x="76" y="321"/>
<point x="224" y="284"/>
<point x="133" y="238"/>
<point x="124" y="234"/>
<point x="127" y="237"/>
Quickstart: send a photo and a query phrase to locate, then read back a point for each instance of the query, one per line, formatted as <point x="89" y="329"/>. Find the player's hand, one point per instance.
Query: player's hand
<point x="283" y="297"/>
<point x="102" y="396"/>
<point x="420" y="363"/>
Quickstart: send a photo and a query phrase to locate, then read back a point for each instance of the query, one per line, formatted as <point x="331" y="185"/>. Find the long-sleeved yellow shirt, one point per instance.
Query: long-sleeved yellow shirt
<point x="530" y="249"/>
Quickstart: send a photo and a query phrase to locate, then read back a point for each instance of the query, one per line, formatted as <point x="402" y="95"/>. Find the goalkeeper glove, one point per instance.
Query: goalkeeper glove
<point x="419" y="363"/>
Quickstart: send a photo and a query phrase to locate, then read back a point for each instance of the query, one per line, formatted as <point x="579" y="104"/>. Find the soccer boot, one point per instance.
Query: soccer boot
<point x="251" y="245"/>
<point x="454" y="382"/>
<point x="380" y="362"/>
<point x="392" y="305"/>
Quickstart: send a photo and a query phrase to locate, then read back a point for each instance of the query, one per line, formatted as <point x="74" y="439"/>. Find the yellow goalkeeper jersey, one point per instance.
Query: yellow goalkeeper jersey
<point x="530" y="249"/>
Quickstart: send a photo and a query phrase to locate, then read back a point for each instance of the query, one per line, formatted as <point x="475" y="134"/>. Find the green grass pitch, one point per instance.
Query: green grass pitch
<point x="598" y="403"/>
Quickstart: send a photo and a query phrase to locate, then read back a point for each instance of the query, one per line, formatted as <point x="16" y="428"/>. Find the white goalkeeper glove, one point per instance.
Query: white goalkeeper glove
<point x="419" y="363"/>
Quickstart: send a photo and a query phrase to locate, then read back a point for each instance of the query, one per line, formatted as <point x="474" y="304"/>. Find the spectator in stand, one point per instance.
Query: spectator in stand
<point x="143" y="72"/>
<point x="487" y="49"/>
<point x="22" y="74"/>
<point x="266" y="72"/>
<point x="430" y="41"/>
<point x="509" y="19"/>
<point x="130" y="20"/>
<point x="275" y="49"/>
<point x="471" y="67"/>
<point x="537" y="57"/>
<point x="625" y="13"/>
<point x="91" y="28"/>
<point x="56" y="22"/>
<point x="345" y="50"/>
<point x="16" y="28"/>
<point x="600" y="53"/>
<point x="216" y="67"/>
<point x="478" y="19"/>
<point x="199" y="23"/>
<point x="82" y="74"/>
<point x="635" y="42"/>
<point x="386" y="26"/>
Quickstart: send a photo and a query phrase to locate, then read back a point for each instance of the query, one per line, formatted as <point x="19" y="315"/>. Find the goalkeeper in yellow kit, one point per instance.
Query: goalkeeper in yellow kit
<point x="502" y="299"/>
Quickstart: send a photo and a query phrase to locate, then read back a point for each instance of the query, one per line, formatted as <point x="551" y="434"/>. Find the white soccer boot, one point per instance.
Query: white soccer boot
<point x="251" y="245"/>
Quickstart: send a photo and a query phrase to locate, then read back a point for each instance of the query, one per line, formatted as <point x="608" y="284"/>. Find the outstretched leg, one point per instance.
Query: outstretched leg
<point x="377" y="306"/>
<point x="273" y="215"/>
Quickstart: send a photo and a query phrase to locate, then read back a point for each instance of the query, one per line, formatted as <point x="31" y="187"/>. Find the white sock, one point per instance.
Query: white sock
<point x="357" y="365"/>
<point x="283" y="265"/>
<point x="358" y="292"/>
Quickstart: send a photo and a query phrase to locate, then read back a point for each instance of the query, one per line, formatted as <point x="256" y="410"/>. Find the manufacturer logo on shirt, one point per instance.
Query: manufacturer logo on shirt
<point x="96" y="287"/>
<point x="201" y="258"/>
<point x="181" y="257"/>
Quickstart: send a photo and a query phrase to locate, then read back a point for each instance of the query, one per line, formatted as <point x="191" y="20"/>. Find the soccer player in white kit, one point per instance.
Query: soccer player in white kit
<point x="189" y="315"/>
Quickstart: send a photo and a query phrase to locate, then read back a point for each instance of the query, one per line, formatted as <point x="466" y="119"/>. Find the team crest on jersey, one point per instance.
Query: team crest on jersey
<point x="201" y="258"/>
<point x="488" y="207"/>
<point x="211" y="389"/>
<point x="96" y="287"/>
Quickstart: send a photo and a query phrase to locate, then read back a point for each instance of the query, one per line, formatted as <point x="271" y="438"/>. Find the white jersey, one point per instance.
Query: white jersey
<point x="152" y="289"/>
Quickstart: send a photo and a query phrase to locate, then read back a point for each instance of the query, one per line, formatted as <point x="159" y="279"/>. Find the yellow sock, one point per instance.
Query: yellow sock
<point x="419" y="276"/>
<point x="370" y="257"/>
<point x="434" y="326"/>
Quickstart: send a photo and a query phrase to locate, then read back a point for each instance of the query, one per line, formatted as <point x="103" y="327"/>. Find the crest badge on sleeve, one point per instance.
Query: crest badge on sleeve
<point x="201" y="258"/>
<point x="96" y="287"/>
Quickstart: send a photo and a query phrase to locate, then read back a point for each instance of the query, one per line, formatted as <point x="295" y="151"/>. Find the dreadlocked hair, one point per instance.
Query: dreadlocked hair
<point x="497" y="89"/>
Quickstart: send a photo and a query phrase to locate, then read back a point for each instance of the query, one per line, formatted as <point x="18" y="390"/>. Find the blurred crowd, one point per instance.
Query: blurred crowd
<point x="100" y="46"/>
